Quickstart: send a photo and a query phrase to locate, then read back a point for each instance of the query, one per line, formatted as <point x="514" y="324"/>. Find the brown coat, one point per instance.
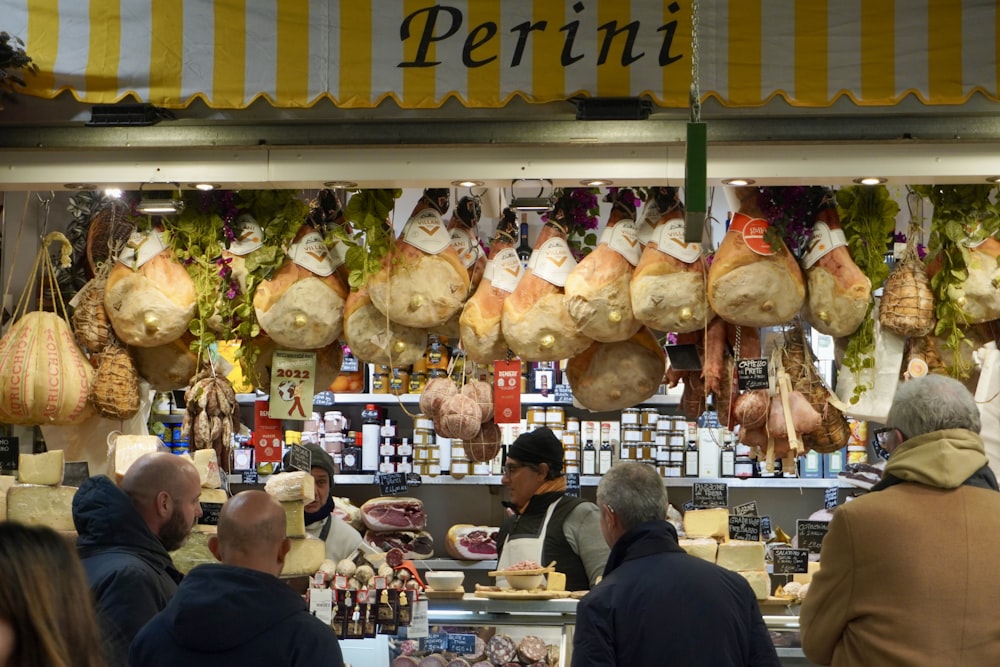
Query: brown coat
<point x="909" y="576"/>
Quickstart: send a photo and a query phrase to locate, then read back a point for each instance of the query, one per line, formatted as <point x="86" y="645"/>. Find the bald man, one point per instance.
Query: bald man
<point x="124" y="538"/>
<point x="239" y="613"/>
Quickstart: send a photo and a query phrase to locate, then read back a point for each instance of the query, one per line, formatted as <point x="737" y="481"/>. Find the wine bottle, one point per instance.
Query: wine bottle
<point x="523" y="247"/>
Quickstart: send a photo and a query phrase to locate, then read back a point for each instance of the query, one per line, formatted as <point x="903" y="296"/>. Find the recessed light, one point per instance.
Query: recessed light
<point x="596" y="182"/>
<point x="738" y="182"/>
<point x="345" y="185"/>
<point x="80" y="186"/>
<point x="113" y="193"/>
<point x="467" y="184"/>
<point x="993" y="179"/>
<point x="205" y="187"/>
<point x="871" y="180"/>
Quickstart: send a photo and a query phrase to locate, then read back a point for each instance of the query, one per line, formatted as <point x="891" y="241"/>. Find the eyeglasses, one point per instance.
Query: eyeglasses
<point x="511" y="467"/>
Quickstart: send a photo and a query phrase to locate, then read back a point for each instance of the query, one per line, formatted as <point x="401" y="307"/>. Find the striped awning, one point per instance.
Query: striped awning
<point x="357" y="53"/>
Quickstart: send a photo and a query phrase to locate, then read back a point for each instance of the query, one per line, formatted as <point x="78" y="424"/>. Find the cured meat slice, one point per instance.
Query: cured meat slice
<point x="434" y="660"/>
<point x="394" y="513"/>
<point x="479" y="652"/>
<point x="532" y="649"/>
<point x="501" y="649"/>
<point x="415" y="545"/>
<point x="467" y="542"/>
<point x="595" y="374"/>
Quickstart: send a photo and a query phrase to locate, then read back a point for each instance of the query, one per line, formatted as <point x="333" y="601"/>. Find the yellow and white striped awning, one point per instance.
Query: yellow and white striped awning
<point x="357" y="53"/>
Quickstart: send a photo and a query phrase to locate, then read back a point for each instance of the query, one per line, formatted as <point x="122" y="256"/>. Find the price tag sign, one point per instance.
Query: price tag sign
<point x="462" y="643"/>
<point x="811" y="534"/>
<point x="210" y="514"/>
<point x="573" y="484"/>
<point x="830" y="498"/>
<point x="563" y="394"/>
<point x="75" y="473"/>
<point x="324" y="399"/>
<point x="300" y="458"/>
<point x="746" y="509"/>
<point x="744" y="527"/>
<point x="9" y="450"/>
<point x="250" y="477"/>
<point x="419" y="626"/>
<point x="765" y="527"/>
<point x="789" y="561"/>
<point x="751" y="374"/>
<point x="507" y="391"/>
<point x="413" y="479"/>
<point x="391" y="483"/>
<point x="436" y="642"/>
<point x="710" y="494"/>
<point x="292" y="384"/>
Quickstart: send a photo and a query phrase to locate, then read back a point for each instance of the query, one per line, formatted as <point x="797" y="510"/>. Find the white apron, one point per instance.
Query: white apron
<point x="524" y="548"/>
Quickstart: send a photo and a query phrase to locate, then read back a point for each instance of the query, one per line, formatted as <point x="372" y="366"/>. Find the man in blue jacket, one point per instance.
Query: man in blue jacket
<point x="656" y="605"/>
<point x="124" y="536"/>
<point x="239" y="613"/>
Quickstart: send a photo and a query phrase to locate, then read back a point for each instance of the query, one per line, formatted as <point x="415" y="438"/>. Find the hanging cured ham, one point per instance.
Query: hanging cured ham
<point x="464" y="231"/>
<point x="422" y="282"/>
<point x="302" y="305"/>
<point x="754" y="281"/>
<point x="668" y="285"/>
<point x="977" y="294"/>
<point x="596" y="375"/>
<point x="481" y="333"/>
<point x="838" y="291"/>
<point x="372" y="337"/>
<point x="536" y="321"/>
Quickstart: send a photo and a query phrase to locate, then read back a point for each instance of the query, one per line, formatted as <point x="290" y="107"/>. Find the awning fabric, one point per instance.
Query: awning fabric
<point x="357" y="53"/>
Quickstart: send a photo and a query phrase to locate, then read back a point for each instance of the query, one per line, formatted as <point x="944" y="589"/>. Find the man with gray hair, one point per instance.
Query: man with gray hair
<point x="656" y="605"/>
<point x="908" y="572"/>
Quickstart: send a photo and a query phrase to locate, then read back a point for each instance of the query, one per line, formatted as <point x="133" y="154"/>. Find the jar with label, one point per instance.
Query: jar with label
<point x="555" y="416"/>
<point x="677" y="454"/>
<point x="650" y="417"/>
<point x="417" y="382"/>
<point x="536" y="416"/>
<point x="437" y="354"/>
<point x="631" y="418"/>
<point x="459" y="466"/>
<point x="672" y="470"/>
<point x="380" y="383"/>
<point x="573" y="424"/>
<point x="399" y="381"/>
<point x="744" y="467"/>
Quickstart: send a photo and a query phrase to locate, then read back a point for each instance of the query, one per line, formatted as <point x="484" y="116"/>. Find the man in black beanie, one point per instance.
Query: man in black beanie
<point x="547" y="525"/>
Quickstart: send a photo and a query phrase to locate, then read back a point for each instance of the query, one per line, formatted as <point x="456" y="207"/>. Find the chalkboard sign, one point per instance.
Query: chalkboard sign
<point x="688" y="506"/>
<point x="751" y="374"/>
<point x="210" y="514"/>
<point x="250" y="477"/>
<point x="324" y="399"/>
<point x="391" y="483"/>
<point x="413" y="479"/>
<point x="300" y="458"/>
<point x="462" y="643"/>
<point x="811" y="534"/>
<point x="765" y="527"/>
<point x="789" y="561"/>
<point x="436" y="642"/>
<point x="746" y="509"/>
<point x="563" y="394"/>
<point x="75" y="473"/>
<point x="9" y="450"/>
<point x="709" y="419"/>
<point x="830" y="497"/>
<point x="349" y="364"/>
<point x="710" y="494"/>
<point x="684" y="357"/>
<point x="743" y="527"/>
<point x="573" y="484"/>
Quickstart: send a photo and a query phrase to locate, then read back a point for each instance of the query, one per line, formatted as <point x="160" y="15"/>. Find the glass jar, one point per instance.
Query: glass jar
<point x="399" y="381"/>
<point x="459" y="466"/>
<point x="631" y="418"/>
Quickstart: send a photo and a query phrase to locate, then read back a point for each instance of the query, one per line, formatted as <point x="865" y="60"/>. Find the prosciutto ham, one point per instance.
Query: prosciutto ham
<point x="394" y="513"/>
<point x="415" y="544"/>
<point x="373" y="338"/>
<point x="467" y="542"/>
<point x="596" y="374"/>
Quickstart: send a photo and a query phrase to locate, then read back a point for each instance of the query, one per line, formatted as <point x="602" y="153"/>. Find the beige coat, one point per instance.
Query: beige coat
<point x="909" y="573"/>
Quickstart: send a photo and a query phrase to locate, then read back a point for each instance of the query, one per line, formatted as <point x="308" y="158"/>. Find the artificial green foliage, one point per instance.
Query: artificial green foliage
<point x="368" y="211"/>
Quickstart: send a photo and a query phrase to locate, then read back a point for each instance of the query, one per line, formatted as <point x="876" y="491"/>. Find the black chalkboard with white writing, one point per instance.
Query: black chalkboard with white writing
<point x="789" y="561"/>
<point x="744" y="527"/>
<point x="811" y="534"/>
<point x="709" y="494"/>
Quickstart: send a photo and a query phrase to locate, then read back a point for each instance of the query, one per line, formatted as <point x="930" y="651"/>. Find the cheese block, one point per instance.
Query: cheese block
<point x="806" y="578"/>
<point x="46" y="468"/>
<point x="296" y="485"/>
<point x="707" y="523"/>
<point x="50" y="506"/>
<point x="195" y="550"/>
<point x="741" y="555"/>
<point x="6" y="481"/>
<point x="295" y="518"/>
<point x="760" y="582"/>
<point x="305" y="556"/>
<point x="213" y="496"/>
<point x="206" y="461"/>
<point x="555" y="581"/>
<point x="704" y="548"/>
<point x="130" y="447"/>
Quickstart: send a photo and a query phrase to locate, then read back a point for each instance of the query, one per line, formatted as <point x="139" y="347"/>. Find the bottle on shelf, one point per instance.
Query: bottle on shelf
<point x="523" y="247"/>
<point x="589" y="465"/>
<point x="691" y="463"/>
<point x="371" y="433"/>
<point x="604" y="458"/>
<point x="727" y="457"/>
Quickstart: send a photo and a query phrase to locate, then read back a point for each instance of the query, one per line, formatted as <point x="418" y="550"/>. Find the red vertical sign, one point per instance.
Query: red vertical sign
<point x="507" y="391"/>
<point x="266" y="434"/>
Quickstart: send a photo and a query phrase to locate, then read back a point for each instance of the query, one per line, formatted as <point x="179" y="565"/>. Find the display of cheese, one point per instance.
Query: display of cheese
<point x="6" y="481"/>
<point x="216" y="496"/>
<point x="295" y="518"/>
<point x="741" y="555"/>
<point x="555" y="581"/>
<point x="46" y="468"/>
<point x="195" y="550"/>
<point x="206" y="461"/>
<point x="305" y="556"/>
<point x="704" y="548"/>
<point x="759" y="581"/>
<point x="707" y="523"/>
<point x="298" y="485"/>
<point x="807" y="577"/>
<point x="128" y="448"/>
<point x="34" y="505"/>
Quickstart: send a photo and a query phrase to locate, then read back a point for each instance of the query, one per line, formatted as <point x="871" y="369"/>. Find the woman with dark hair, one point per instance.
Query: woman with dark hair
<point x="46" y="614"/>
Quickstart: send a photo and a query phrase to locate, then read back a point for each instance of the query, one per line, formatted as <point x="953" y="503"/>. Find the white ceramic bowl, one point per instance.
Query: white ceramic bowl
<point x="525" y="582"/>
<point x="444" y="581"/>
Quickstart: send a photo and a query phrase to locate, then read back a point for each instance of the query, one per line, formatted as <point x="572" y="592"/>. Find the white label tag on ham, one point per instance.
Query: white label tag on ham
<point x="142" y="247"/>
<point x="504" y="270"/>
<point x="310" y="252"/>
<point x="466" y="246"/>
<point x="249" y="236"/>
<point x="338" y="252"/>
<point x="822" y="242"/>
<point x="553" y="261"/>
<point x="623" y="239"/>
<point x="669" y="239"/>
<point x="426" y="232"/>
<point x="647" y="221"/>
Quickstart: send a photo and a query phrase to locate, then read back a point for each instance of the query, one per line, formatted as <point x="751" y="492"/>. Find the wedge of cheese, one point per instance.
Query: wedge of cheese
<point x="128" y="448"/>
<point x="34" y="505"/>
<point x="555" y="581"/>
<point x="760" y="582"/>
<point x="195" y="550"/>
<point x="212" y="496"/>
<point x="741" y="555"/>
<point x="707" y="523"/>
<point x="296" y="485"/>
<point x="807" y="578"/>
<point x="45" y="468"/>
<point x="206" y="461"/>
<point x="704" y="548"/>
<point x="305" y="556"/>
<point x="295" y="518"/>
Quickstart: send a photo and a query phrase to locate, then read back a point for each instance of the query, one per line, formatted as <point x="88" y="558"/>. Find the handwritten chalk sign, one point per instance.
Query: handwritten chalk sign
<point x="710" y="494"/>
<point x="210" y="514"/>
<point x="751" y="374"/>
<point x="811" y="534"/>
<point x="391" y="483"/>
<point x="9" y="450"/>
<point x="765" y="527"/>
<point x="746" y="509"/>
<point x="789" y="561"/>
<point x="250" y="477"/>
<point x="75" y="473"/>
<point x="830" y="498"/>
<point x="462" y="644"/>
<point x="413" y="479"/>
<point x="300" y="458"/>
<point x="573" y="484"/>
<point x="744" y="527"/>
<point x="436" y="642"/>
<point x="563" y="394"/>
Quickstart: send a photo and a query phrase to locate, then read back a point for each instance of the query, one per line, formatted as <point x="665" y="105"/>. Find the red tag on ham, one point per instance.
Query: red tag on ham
<point x="507" y="391"/>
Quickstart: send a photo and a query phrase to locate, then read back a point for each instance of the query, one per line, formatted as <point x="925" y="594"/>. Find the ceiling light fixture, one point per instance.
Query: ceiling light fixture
<point x="871" y="180"/>
<point x="113" y="193"/>
<point x="596" y="182"/>
<point x="467" y="184"/>
<point x="160" y="202"/>
<point x="343" y="185"/>
<point x="80" y="186"/>
<point x="205" y="187"/>
<point x="738" y="182"/>
<point x="538" y="202"/>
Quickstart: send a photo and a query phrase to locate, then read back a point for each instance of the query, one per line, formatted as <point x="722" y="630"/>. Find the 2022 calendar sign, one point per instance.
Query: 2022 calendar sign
<point x="292" y="385"/>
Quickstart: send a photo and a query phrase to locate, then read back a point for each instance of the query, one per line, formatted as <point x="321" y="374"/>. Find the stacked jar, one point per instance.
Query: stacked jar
<point x="460" y="466"/>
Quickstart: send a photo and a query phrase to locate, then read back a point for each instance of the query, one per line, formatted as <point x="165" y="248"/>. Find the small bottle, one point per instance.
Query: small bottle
<point x="523" y="247"/>
<point x="589" y="466"/>
<point x="370" y="437"/>
<point x="691" y="463"/>
<point x="604" y="458"/>
<point x="727" y="464"/>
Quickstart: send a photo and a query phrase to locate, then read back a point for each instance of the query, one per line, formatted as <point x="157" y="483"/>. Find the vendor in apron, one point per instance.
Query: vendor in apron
<point x="545" y="524"/>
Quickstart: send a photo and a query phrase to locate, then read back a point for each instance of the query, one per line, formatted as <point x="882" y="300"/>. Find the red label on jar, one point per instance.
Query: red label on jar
<point x="753" y="231"/>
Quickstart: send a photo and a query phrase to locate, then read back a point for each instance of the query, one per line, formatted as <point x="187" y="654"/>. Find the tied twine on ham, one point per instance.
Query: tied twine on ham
<point x="668" y="284"/>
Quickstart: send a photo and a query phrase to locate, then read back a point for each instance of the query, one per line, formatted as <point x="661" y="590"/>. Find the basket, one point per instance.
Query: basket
<point x="89" y="320"/>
